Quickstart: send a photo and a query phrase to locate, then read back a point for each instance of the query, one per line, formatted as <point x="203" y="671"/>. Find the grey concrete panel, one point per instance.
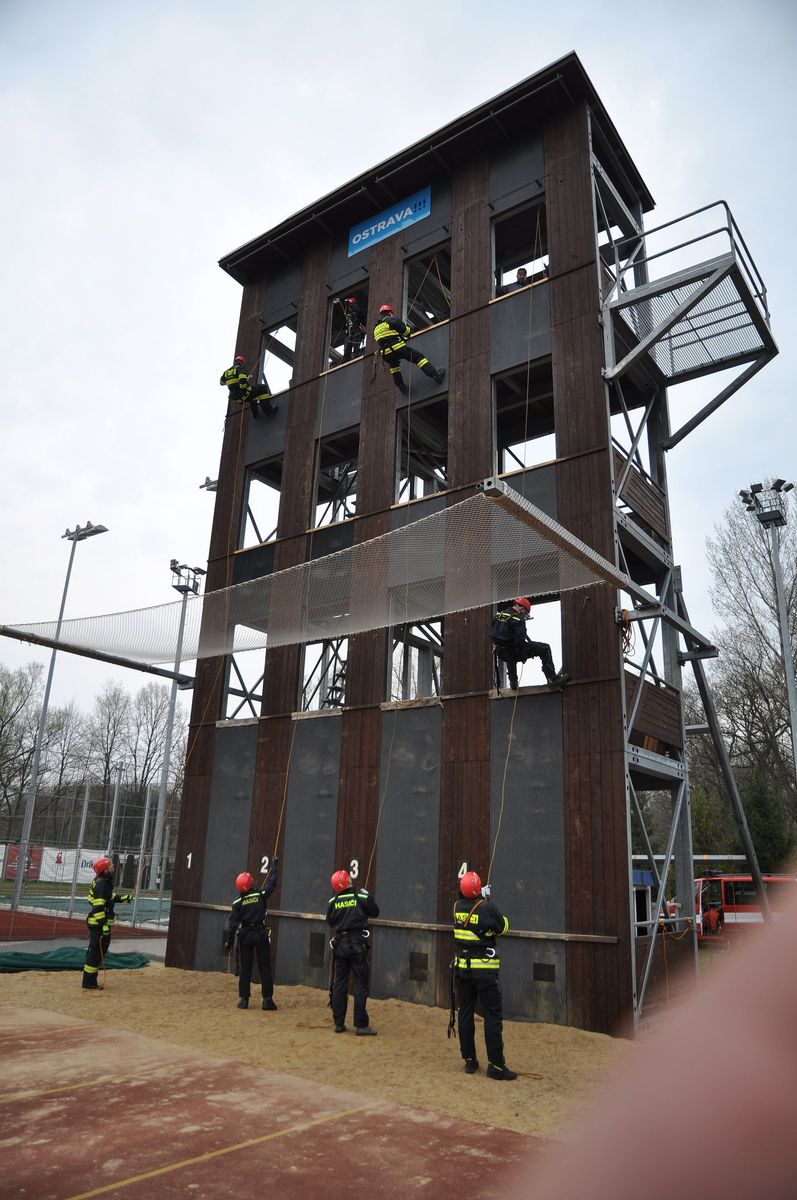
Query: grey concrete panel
<point x="308" y="858"/>
<point x="400" y="515"/>
<point x="537" y="485"/>
<point x="340" y="397"/>
<point x="265" y="436"/>
<point x="209" y="953"/>
<point x="433" y="343"/>
<point x="229" y="816"/>
<point x="302" y="953"/>
<point x="403" y="965"/>
<point x="345" y="271"/>
<point x="528" y="875"/>
<point x="509" y="328"/>
<point x="516" y="174"/>
<point x="409" y="795"/>
<point x="253" y="563"/>
<point x="406" y="853"/>
<point x="533" y="983"/>
<point x="282" y="293"/>
<point x="332" y="538"/>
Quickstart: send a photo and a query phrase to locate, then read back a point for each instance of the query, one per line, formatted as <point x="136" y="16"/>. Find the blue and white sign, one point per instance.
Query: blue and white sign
<point x="385" y="224"/>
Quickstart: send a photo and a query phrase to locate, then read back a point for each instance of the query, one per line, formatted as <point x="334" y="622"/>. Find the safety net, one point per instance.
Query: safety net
<point x="478" y="552"/>
<point x="65" y="958"/>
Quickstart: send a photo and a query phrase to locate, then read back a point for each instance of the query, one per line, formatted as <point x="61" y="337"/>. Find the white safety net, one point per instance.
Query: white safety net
<point x="475" y="553"/>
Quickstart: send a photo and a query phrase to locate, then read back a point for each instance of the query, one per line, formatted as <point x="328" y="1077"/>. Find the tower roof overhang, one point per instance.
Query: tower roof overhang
<point x="557" y="88"/>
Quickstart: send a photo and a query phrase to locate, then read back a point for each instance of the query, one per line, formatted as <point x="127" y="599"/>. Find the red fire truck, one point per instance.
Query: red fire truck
<point x="727" y="905"/>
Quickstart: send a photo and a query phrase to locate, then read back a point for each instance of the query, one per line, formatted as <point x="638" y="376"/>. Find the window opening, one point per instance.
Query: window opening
<point x="243" y="689"/>
<point x="346" y="325"/>
<point x="545" y="626"/>
<point x="524" y="432"/>
<point x="262" y="501"/>
<point x="421" y="450"/>
<point x="278" y="355"/>
<point x="520" y="242"/>
<point x="324" y="675"/>
<point x="417" y="660"/>
<point x="427" y="287"/>
<point x="336" y="488"/>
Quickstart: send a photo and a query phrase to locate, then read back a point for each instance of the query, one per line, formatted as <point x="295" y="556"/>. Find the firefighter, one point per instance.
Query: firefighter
<point x="354" y="319"/>
<point x="513" y="645"/>
<point x="391" y="334"/>
<point x="240" y="389"/>
<point x="101" y="899"/>
<point x="248" y="916"/>
<point x="477" y="923"/>
<point x="348" y="913"/>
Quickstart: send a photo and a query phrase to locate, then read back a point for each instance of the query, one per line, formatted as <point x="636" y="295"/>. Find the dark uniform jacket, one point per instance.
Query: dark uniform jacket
<point x="348" y="911"/>
<point x="237" y="380"/>
<point x="391" y="334"/>
<point x="508" y="631"/>
<point x="101" y="898"/>
<point x="477" y="924"/>
<point x="249" y="909"/>
<point x="355" y="321"/>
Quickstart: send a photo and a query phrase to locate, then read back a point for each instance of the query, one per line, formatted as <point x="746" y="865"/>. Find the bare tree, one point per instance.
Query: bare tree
<point x="20" y="692"/>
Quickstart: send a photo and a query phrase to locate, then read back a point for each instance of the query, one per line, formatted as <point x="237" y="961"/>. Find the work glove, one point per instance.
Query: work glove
<point x="227" y="947"/>
<point x="486" y="891"/>
<point x="126" y="899"/>
<point x="106" y="929"/>
<point x="275" y="862"/>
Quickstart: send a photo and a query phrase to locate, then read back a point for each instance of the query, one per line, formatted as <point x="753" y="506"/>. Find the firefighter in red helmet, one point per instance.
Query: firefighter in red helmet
<point x="241" y="391"/>
<point x="512" y="645"/>
<point x="347" y="913"/>
<point x="477" y="925"/>
<point x="391" y="335"/>
<point x="248" y="919"/>
<point x="101" y="899"/>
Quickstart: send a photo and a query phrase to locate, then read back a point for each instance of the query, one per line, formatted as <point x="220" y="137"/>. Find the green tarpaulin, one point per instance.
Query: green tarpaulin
<point x="68" y="958"/>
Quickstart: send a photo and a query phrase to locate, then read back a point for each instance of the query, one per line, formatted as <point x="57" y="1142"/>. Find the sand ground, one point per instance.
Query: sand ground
<point x="562" y="1071"/>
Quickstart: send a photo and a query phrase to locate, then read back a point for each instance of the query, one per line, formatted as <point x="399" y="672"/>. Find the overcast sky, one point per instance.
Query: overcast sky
<point x="143" y="139"/>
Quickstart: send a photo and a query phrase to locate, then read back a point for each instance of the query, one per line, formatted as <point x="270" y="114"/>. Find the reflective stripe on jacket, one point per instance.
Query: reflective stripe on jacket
<point x="476" y="927"/>
<point x="391" y="334"/>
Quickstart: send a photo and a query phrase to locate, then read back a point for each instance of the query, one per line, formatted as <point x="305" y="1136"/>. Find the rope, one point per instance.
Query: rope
<point x="510" y="734"/>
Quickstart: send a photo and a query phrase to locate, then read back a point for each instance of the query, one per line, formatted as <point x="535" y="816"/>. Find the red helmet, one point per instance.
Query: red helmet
<point x="350" y="300"/>
<point x="101" y="865"/>
<point x="340" y="881"/>
<point x="244" y="881"/>
<point x="522" y="602"/>
<point x="470" y="885"/>
<point x="386" y="308"/>
<point x="239" y="358"/>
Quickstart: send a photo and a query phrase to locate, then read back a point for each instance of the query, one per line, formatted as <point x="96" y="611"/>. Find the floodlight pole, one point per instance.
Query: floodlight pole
<point x="185" y="580"/>
<point x="74" y="536"/>
<point x="770" y="511"/>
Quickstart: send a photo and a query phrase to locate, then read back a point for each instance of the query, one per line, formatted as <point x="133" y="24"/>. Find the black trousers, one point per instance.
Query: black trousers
<point x="260" y="396"/>
<point x="95" y="953"/>
<point x="353" y="345"/>
<point x="481" y="983"/>
<point x="351" y="958"/>
<point x="512" y="655"/>
<point x="407" y="354"/>
<point x="253" y="942"/>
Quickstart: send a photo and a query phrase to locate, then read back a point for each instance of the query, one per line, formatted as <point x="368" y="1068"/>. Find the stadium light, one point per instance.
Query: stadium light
<point x="75" y="535"/>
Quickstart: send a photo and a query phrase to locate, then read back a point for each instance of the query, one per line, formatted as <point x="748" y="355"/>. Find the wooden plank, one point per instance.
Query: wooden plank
<point x="645" y="500"/>
<point x="659" y="713"/>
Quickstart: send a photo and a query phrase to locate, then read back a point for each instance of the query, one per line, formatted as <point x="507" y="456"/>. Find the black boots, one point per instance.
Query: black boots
<point x="365" y="1031"/>
<point x="557" y="680"/>
<point x="269" y="1005"/>
<point x="243" y="1002"/>
<point x="500" y="1072"/>
<point x="471" y="1066"/>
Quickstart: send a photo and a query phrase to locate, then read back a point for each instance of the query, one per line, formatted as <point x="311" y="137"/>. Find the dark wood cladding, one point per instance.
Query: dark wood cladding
<point x="595" y="823"/>
<point x="358" y="805"/>
<point x="645" y="500"/>
<point x="659" y="713"/>
<point x="464" y="809"/>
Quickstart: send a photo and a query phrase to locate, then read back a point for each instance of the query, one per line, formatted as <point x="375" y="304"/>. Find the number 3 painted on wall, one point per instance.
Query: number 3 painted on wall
<point x="354" y="868"/>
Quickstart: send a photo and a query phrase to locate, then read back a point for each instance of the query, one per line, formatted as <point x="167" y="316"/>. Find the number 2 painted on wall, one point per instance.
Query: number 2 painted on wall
<point x="264" y="864"/>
